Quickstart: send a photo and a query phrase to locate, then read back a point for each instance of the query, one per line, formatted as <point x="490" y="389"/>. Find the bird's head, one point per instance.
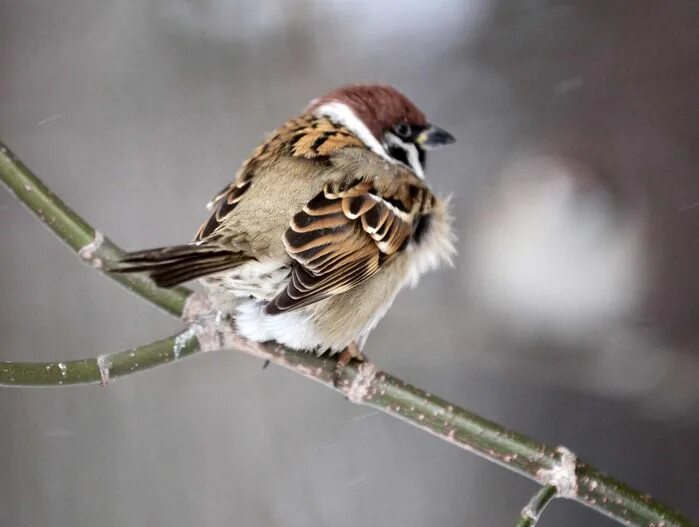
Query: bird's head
<point x="385" y="120"/>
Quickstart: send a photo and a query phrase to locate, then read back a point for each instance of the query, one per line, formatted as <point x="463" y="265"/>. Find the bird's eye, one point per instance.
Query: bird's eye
<point x="402" y="129"/>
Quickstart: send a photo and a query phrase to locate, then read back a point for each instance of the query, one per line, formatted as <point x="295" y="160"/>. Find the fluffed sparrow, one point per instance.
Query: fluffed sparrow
<point x="327" y="220"/>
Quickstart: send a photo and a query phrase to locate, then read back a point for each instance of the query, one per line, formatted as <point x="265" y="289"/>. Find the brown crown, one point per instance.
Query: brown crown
<point x="379" y="107"/>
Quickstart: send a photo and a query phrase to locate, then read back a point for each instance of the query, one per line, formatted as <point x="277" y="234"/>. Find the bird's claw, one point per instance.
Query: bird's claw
<point x="346" y="356"/>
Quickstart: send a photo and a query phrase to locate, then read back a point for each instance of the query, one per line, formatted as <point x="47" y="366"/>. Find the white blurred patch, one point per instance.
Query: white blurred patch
<point x="552" y="254"/>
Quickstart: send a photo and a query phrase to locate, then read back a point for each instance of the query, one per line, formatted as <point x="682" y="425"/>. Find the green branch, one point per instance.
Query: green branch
<point x="102" y="369"/>
<point x="555" y="469"/>
<point x="532" y="511"/>
<point x="90" y="244"/>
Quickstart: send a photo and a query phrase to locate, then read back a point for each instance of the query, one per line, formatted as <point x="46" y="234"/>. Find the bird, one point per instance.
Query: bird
<point x="322" y="226"/>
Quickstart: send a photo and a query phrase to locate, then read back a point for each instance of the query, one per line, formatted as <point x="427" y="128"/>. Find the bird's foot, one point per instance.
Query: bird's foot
<point x="347" y="355"/>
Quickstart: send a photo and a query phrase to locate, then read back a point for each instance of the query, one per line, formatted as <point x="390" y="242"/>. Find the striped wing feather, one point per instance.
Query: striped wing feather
<point x="337" y="241"/>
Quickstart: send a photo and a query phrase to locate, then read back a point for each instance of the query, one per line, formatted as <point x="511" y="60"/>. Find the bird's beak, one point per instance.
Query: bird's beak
<point x="433" y="136"/>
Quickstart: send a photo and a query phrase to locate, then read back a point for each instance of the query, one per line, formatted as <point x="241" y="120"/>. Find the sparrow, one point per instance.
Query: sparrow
<point x="322" y="226"/>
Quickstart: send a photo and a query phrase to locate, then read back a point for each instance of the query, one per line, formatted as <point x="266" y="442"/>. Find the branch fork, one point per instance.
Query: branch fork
<point x="562" y="475"/>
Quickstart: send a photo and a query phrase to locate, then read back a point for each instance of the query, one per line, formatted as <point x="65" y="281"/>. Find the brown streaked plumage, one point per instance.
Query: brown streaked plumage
<point x="322" y="225"/>
<point x="338" y="240"/>
<point x="308" y="137"/>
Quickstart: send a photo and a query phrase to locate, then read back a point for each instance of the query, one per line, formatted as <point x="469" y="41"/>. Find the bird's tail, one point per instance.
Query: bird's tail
<point x="170" y="266"/>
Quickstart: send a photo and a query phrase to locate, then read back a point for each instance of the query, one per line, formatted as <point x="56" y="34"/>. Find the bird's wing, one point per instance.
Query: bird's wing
<point x="307" y="137"/>
<point x="340" y="239"/>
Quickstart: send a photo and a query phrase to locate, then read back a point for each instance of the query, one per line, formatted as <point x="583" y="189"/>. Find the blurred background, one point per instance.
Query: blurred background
<point x="570" y="315"/>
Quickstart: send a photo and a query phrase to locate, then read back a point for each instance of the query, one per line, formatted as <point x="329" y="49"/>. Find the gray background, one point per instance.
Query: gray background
<point x="570" y="314"/>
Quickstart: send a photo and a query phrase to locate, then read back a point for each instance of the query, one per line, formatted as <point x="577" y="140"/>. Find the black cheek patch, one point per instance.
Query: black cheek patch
<point x="397" y="153"/>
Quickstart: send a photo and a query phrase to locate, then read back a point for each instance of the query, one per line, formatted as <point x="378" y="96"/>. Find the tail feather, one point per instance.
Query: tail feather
<point x="171" y="266"/>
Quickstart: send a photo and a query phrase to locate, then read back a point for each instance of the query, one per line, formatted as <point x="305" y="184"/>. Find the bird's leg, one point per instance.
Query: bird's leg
<point x="347" y="355"/>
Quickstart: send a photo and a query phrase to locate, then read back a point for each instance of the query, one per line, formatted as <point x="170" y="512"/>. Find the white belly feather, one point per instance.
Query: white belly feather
<point x="260" y="279"/>
<point x="308" y="328"/>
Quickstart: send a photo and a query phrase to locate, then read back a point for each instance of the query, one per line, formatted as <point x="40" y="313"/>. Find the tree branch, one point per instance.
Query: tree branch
<point x="91" y="245"/>
<point x="102" y="369"/>
<point x="362" y="384"/>
<point x="532" y="511"/>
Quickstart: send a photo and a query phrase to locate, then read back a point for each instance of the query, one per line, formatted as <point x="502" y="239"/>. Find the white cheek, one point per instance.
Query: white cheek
<point x="414" y="158"/>
<point x="410" y="150"/>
